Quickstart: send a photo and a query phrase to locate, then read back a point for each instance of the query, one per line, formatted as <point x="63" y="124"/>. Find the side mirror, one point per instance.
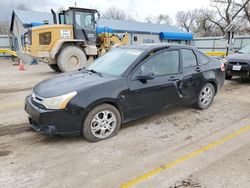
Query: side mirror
<point x="145" y="76"/>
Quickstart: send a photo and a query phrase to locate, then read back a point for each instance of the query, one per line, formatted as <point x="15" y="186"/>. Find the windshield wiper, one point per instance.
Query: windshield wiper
<point x="95" y="72"/>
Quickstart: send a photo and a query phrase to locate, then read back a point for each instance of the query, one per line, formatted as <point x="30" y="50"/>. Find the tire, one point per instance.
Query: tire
<point x="206" y="96"/>
<point x="71" y="58"/>
<point x="228" y="77"/>
<point x="55" y="67"/>
<point x="96" y="118"/>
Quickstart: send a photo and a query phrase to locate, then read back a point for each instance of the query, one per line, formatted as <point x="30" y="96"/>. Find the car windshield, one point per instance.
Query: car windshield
<point x="245" y="49"/>
<point x="115" y="62"/>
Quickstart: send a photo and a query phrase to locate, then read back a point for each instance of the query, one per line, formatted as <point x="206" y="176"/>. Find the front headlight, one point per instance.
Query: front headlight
<point x="59" y="102"/>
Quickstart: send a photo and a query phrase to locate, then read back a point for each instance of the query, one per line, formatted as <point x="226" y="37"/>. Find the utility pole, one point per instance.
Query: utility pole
<point x="231" y="29"/>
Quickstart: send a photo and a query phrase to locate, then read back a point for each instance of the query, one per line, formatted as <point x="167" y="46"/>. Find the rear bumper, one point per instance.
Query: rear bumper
<point x="53" y="122"/>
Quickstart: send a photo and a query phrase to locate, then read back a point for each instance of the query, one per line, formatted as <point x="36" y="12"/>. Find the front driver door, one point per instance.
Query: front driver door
<point x="148" y="96"/>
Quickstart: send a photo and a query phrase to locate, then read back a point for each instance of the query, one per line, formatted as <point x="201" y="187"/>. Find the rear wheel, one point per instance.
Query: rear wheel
<point x="206" y="96"/>
<point x="102" y="122"/>
<point x="55" y="67"/>
<point x="71" y="58"/>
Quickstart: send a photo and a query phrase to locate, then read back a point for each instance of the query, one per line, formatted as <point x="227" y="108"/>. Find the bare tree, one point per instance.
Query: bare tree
<point x="227" y="11"/>
<point x="247" y="12"/>
<point x="22" y="7"/>
<point x="204" y="27"/>
<point x="186" y="19"/>
<point x="246" y="17"/>
<point x="116" y="14"/>
<point x="3" y="27"/>
<point x="160" y="19"/>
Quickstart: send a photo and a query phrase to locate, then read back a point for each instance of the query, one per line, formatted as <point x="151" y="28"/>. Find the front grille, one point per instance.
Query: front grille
<point x="242" y="72"/>
<point x="239" y="63"/>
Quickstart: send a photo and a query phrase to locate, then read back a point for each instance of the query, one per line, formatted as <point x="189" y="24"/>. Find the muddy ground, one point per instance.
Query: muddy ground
<point x="29" y="159"/>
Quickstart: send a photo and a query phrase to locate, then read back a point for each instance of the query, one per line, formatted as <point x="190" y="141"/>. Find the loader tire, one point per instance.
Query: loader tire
<point x="71" y="58"/>
<point x="55" y="67"/>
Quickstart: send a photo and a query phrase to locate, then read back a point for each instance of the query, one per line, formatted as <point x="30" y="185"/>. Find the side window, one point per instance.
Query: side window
<point x="69" y="17"/>
<point x="164" y="63"/>
<point x="188" y="58"/>
<point x="84" y="20"/>
<point x="203" y="58"/>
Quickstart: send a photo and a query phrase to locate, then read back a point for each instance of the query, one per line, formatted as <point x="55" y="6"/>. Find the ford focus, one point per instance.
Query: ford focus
<point x="123" y="85"/>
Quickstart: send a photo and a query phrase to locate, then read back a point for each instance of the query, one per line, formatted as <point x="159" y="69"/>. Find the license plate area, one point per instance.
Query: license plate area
<point x="237" y="67"/>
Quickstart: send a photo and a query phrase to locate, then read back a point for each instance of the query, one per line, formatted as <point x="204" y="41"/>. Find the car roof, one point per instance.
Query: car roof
<point x="153" y="46"/>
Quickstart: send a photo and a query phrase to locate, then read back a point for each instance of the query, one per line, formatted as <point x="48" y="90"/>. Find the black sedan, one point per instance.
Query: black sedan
<point x="238" y="64"/>
<point x="125" y="84"/>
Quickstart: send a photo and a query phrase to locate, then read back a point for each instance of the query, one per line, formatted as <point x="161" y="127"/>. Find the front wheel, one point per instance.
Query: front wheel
<point x="206" y="96"/>
<point x="55" y="67"/>
<point x="102" y="122"/>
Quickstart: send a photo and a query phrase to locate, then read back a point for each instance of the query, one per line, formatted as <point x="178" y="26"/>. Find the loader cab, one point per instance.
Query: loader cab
<point x="83" y="22"/>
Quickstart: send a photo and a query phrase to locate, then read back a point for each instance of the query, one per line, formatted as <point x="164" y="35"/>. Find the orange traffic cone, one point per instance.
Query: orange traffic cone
<point x="21" y="67"/>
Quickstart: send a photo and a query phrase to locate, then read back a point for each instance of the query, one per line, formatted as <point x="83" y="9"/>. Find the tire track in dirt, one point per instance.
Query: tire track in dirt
<point x="14" y="129"/>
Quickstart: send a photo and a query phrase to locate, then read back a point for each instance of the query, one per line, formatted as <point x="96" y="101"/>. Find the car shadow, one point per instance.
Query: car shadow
<point x="157" y="116"/>
<point x="59" y="139"/>
<point x="239" y="80"/>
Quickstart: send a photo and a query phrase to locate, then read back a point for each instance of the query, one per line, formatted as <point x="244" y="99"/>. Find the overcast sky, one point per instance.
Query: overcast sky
<point x="139" y="9"/>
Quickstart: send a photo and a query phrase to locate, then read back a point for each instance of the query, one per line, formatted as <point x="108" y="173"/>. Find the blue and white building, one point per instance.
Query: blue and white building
<point x="140" y="32"/>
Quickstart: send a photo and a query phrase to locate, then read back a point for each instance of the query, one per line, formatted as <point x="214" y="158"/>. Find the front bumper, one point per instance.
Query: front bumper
<point x="243" y="72"/>
<point x="54" y="122"/>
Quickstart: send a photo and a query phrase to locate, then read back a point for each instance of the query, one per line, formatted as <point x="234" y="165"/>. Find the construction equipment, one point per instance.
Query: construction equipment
<point x="109" y="40"/>
<point x="71" y="44"/>
<point x="216" y="54"/>
<point x="7" y="51"/>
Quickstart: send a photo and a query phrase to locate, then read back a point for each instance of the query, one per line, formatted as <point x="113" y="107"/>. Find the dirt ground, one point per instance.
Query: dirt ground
<point x="29" y="159"/>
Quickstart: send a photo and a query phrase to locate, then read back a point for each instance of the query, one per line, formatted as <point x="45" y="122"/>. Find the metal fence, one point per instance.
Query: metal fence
<point x="5" y="43"/>
<point x="219" y="44"/>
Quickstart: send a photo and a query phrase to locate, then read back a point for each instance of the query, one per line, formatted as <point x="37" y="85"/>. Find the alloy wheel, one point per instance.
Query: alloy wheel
<point x="103" y="124"/>
<point x="206" y="96"/>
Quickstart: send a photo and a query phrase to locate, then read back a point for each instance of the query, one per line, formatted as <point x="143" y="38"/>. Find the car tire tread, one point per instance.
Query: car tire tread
<point x="198" y="104"/>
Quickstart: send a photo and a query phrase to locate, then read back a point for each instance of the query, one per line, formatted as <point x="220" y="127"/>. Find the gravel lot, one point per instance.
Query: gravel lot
<point x="29" y="159"/>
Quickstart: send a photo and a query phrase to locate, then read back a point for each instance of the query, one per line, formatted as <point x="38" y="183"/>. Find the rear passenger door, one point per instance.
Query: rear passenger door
<point x="192" y="75"/>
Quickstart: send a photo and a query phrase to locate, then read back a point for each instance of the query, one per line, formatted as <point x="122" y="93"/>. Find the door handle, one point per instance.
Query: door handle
<point x="173" y="78"/>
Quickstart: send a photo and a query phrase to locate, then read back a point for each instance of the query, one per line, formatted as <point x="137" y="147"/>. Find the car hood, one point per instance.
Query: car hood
<point x="68" y="82"/>
<point x="238" y="56"/>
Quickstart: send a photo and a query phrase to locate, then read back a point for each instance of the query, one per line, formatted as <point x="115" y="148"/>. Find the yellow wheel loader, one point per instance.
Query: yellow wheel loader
<point x="72" y="43"/>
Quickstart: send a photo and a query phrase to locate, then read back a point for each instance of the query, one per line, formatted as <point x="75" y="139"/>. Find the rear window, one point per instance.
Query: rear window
<point x="188" y="58"/>
<point x="203" y="58"/>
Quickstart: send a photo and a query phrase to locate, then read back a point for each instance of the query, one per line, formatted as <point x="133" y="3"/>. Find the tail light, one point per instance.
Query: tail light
<point x="222" y="67"/>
